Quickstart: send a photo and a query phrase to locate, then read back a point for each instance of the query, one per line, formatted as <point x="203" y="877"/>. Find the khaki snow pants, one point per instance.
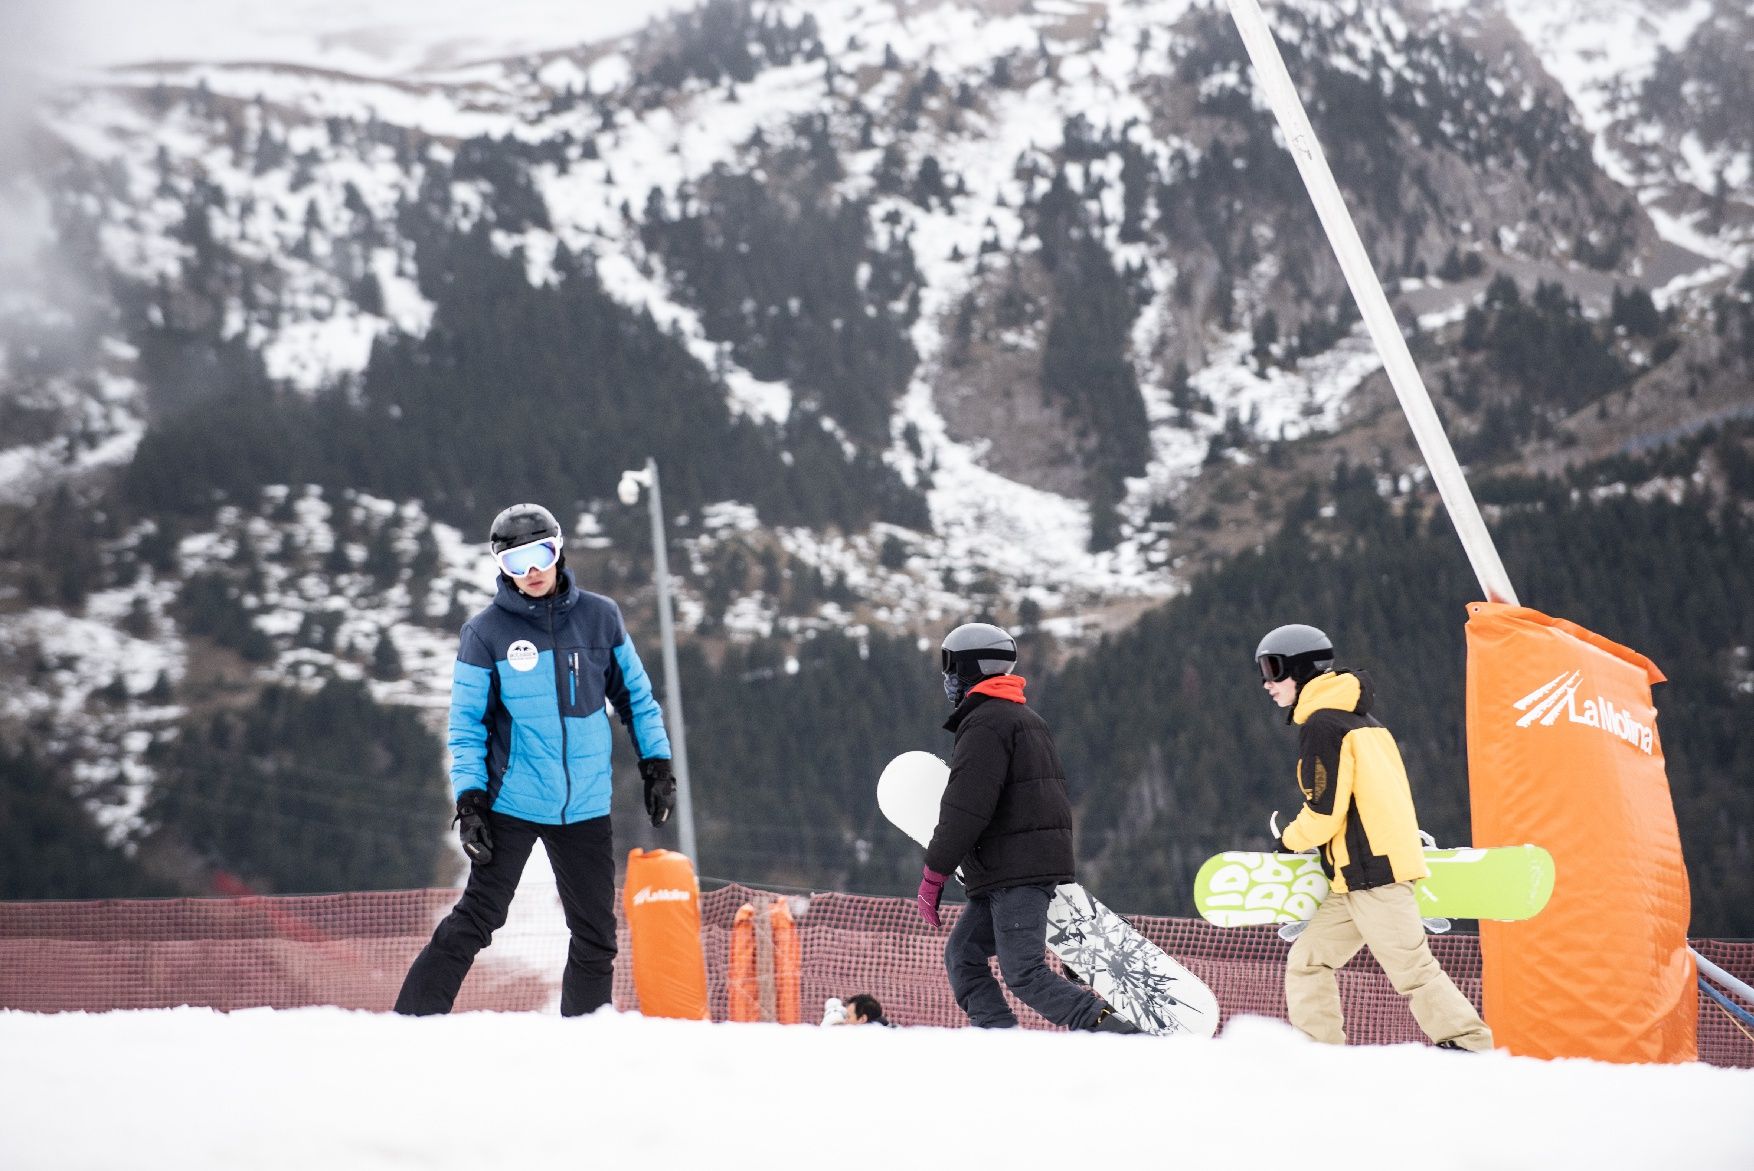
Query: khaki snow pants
<point x="1385" y="919"/>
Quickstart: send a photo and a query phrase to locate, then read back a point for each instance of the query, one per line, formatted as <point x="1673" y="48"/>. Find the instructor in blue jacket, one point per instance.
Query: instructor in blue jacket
<point x="530" y="746"/>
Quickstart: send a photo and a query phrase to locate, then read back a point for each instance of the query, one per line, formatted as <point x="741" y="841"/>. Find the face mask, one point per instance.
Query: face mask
<point x="952" y="687"/>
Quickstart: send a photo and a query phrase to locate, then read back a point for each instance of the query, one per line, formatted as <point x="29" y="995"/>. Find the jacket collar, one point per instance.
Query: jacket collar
<point x="1005" y="687"/>
<point x="1346" y="691"/>
<point x="1001" y="687"/>
<point x="510" y="598"/>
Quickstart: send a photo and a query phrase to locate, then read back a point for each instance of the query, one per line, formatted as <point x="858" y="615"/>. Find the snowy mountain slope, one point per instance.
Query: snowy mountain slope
<point x="385" y="40"/>
<point x="1600" y="52"/>
<point x="333" y="161"/>
<point x="355" y="589"/>
<point x="331" y="165"/>
<point x="1645" y="76"/>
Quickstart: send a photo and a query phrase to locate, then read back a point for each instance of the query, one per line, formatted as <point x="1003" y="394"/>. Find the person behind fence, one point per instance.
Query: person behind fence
<point x="530" y="746"/>
<point x="1358" y="813"/>
<point x="1006" y="822"/>
<point x="858" y="1009"/>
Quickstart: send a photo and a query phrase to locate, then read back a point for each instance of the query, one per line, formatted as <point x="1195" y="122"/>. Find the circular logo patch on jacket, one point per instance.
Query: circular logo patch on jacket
<point x="522" y="655"/>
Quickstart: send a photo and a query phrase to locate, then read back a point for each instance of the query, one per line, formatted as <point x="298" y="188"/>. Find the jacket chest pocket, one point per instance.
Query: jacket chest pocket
<point x="581" y="674"/>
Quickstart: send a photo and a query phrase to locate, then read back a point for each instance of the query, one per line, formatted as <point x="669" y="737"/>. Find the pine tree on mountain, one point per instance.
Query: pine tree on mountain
<point x="386" y="660"/>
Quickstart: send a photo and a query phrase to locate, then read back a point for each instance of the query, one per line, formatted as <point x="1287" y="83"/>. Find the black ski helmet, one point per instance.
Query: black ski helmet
<point x="1294" y="652"/>
<point x="975" y="650"/>
<point x="519" y="525"/>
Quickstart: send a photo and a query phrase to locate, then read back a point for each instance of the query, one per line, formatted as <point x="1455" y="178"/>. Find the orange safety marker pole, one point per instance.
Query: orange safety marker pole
<point x="788" y="967"/>
<point x="661" y="897"/>
<point x="764" y="976"/>
<point x="742" y="988"/>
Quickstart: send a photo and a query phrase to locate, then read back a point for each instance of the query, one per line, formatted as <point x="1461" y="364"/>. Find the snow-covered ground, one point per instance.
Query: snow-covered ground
<point x="192" y="1089"/>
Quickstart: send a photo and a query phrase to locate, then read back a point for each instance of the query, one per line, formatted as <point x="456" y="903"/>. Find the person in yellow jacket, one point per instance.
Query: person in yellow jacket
<point x="1358" y="812"/>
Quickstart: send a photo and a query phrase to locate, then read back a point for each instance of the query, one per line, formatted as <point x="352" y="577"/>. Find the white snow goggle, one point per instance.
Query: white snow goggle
<point x="522" y="560"/>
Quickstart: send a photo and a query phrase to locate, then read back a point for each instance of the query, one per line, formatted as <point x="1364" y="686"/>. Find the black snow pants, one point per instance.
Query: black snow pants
<point x="583" y="858"/>
<point x="1012" y="923"/>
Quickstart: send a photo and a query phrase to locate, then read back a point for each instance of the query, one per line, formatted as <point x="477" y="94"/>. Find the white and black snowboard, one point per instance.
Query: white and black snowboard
<point x="1137" y="978"/>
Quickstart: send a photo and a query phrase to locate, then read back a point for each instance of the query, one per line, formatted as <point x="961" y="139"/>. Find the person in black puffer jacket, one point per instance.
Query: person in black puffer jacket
<point x="1006" y="821"/>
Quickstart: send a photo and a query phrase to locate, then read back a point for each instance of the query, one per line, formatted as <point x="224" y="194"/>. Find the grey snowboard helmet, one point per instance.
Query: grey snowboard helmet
<point x="972" y="652"/>
<point x="1294" y="652"/>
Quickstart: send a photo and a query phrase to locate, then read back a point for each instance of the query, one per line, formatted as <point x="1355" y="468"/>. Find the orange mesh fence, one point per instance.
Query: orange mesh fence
<point x="352" y="950"/>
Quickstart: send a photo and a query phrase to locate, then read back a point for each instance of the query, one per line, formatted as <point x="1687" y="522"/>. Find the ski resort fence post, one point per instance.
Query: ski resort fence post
<point x="1373" y="306"/>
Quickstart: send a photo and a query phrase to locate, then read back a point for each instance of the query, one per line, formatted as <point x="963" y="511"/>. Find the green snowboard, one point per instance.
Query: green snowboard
<point x="1244" y="889"/>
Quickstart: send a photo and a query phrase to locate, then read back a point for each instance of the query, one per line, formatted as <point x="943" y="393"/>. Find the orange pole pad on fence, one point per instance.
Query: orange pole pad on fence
<point x="662" y="899"/>
<point x="1563" y="753"/>
<point x="779" y="958"/>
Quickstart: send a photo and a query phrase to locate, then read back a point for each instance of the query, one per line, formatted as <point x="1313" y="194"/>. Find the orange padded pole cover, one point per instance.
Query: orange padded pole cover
<point x="1563" y="752"/>
<point x="743" y="989"/>
<point x="788" y="964"/>
<point x="662" y="901"/>
<point x="783" y="965"/>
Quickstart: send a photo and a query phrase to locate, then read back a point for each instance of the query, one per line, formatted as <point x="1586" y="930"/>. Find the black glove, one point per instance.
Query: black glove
<point x="660" y="788"/>
<point x="472" y="828"/>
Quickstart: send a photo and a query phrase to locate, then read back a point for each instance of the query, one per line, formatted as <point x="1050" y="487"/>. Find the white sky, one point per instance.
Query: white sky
<point x="383" y="37"/>
<point x="195" y="1090"/>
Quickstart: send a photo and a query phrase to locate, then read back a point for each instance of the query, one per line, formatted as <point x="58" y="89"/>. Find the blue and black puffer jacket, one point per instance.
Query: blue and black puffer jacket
<point x="527" y="703"/>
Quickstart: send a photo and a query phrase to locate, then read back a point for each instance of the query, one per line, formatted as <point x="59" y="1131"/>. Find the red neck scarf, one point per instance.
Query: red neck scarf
<point x="1001" y="687"/>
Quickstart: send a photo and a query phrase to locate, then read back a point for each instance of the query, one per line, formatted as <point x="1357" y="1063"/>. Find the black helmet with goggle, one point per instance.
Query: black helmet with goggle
<point x="1296" y="652"/>
<point x="525" y="538"/>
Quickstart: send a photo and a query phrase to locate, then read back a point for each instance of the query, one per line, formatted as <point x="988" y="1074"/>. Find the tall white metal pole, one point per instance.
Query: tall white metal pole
<point x="1434" y="445"/>
<point x="672" y="678"/>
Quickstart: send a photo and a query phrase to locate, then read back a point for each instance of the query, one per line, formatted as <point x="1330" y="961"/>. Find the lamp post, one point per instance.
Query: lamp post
<point x="628" y="490"/>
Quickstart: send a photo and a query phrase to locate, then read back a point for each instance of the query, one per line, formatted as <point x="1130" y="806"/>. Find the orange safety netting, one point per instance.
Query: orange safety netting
<point x="352" y="950"/>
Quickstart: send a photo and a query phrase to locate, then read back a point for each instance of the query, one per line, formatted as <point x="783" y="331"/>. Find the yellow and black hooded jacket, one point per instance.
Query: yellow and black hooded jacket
<point x="1358" y="805"/>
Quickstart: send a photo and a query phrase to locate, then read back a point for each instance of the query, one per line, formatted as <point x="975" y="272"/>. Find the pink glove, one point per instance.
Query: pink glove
<point x="931" y="890"/>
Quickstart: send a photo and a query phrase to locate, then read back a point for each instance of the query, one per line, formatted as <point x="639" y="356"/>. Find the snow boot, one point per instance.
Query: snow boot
<point x="1108" y="1021"/>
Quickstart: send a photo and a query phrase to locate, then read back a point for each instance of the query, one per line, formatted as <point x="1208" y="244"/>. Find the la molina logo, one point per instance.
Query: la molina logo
<point x="646" y="894"/>
<point x="1557" y="698"/>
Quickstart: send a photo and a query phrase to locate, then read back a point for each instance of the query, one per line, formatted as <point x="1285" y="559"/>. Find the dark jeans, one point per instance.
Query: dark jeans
<point x="1012" y="923"/>
<point x="583" y="858"/>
